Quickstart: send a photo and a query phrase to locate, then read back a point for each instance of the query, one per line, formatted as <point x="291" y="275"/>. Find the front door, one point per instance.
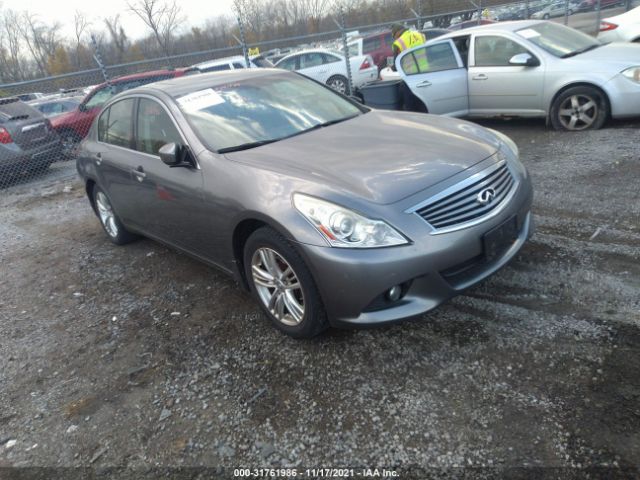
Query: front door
<point x="167" y="202"/>
<point x="436" y="75"/>
<point x="496" y="87"/>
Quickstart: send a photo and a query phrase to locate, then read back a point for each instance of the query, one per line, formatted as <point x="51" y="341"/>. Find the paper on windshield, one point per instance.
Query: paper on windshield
<point x="200" y="100"/>
<point x="528" y="33"/>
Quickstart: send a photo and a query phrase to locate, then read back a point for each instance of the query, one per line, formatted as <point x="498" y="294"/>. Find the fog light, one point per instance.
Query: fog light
<point x="394" y="293"/>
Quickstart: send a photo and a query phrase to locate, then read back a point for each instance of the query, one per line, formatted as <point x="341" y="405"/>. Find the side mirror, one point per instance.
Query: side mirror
<point x="176" y="156"/>
<point x="169" y="154"/>
<point x="524" y="60"/>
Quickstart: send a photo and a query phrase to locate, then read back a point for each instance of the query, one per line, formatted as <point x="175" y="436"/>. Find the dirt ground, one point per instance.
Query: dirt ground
<point x="140" y="358"/>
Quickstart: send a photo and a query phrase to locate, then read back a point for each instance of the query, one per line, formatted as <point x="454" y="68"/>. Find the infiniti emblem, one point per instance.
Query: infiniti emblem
<point x="485" y="196"/>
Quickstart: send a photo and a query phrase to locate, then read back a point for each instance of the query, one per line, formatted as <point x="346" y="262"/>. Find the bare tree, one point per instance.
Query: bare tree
<point x="41" y="39"/>
<point x="80" y="25"/>
<point x="162" y="17"/>
<point x="119" y="39"/>
<point x="12" y="68"/>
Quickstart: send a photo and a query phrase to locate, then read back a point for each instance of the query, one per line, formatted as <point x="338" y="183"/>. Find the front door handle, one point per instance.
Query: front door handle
<point x="480" y="76"/>
<point x="139" y="173"/>
<point x="426" y="83"/>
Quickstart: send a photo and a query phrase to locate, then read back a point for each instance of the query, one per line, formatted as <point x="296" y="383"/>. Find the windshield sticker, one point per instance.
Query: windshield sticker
<point x="528" y="33"/>
<point x="200" y="100"/>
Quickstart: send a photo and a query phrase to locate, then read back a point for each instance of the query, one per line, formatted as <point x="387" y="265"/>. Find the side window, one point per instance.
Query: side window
<point x="100" y="97"/>
<point x="103" y="121"/>
<point x="434" y="58"/>
<point x="119" y="125"/>
<point x="237" y="65"/>
<point x="155" y="127"/>
<point x="216" y="68"/>
<point x="309" y="60"/>
<point x="288" y="64"/>
<point x="330" y="58"/>
<point x="371" y="44"/>
<point x="495" y="51"/>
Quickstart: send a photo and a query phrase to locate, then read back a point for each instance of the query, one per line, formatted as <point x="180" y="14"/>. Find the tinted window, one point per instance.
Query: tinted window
<point x="330" y="58"/>
<point x="155" y="127"/>
<point x="434" y="58"/>
<point x="237" y="65"/>
<point x="288" y="64"/>
<point x="371" y="44"/>
<point x="495" y="51"/>
<point x="216" y="68"/>
<point x="261" y="62"/>
<point x="262" y="109"/>
<point x="119" y="124"/>
<point x="309" y="60"/>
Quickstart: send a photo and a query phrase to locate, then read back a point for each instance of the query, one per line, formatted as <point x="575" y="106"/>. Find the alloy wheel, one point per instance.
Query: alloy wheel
<point x="278" y="286"/>
<point x="578" y="112"/>
<point x="107" y="217"/>
<point x="339" y="85"/>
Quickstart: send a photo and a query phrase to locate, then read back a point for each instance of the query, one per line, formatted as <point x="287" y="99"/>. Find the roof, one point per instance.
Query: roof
<point x="179" y="86"/>
<point x="493" y="27"/>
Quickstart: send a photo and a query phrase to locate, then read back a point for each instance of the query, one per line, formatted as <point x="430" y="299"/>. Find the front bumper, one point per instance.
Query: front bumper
<point x="624" y="96"/>
<point x="431" y="270"/>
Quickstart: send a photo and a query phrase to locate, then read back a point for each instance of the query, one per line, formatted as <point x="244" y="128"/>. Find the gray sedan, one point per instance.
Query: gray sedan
<point x="528" y="69"/>
<point x="328" y="212"/>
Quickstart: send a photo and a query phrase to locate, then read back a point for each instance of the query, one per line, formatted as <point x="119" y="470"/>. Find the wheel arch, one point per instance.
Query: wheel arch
<point x="573" y="85"/>
<point x="89" y="186"/>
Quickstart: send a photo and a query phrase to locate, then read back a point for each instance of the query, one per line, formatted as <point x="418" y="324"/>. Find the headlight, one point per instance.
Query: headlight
<point x="344" y="228"/>
<point x="510" y="144"/>
<point x="632" y="74"/>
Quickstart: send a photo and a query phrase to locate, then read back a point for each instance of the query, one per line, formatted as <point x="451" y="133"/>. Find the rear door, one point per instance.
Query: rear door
<point x="313" y="65"/>
<point x="442" y="85"/>
<point x="496" y="87"/>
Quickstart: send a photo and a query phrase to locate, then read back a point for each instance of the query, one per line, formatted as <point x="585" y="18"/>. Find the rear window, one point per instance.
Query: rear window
<point x="262" y="62"/>
<point x="14" y="109"/>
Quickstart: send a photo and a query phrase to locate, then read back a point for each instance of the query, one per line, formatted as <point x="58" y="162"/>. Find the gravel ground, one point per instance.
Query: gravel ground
<point x="139" y="357"/>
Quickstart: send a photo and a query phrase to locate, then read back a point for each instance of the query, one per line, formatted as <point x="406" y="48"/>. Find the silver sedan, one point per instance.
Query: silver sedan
<point x="527" y="69"/>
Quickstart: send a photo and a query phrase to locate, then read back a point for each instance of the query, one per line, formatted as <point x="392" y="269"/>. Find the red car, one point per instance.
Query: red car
<point x="378" y="46"/>
<point x="74" y="125"/>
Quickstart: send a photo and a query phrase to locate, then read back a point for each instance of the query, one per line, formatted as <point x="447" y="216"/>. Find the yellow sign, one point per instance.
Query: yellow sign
<point x="254" y="51"/>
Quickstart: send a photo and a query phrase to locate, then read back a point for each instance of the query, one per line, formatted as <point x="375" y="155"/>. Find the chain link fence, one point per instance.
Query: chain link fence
<point x="43" y="120"/>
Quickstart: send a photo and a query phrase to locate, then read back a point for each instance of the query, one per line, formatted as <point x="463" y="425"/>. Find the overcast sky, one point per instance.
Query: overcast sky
<point x="196" y="12"/>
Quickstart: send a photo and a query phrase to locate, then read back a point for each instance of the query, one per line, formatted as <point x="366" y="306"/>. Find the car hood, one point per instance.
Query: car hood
<point x="380" y="156"/>
<point x="618" y="55"/>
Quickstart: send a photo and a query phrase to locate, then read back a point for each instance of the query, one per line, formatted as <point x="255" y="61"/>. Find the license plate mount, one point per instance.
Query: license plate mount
<point x="498" y="240"/>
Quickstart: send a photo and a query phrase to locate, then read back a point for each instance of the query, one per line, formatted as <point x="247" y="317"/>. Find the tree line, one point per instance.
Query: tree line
<point x="31" y="47"/>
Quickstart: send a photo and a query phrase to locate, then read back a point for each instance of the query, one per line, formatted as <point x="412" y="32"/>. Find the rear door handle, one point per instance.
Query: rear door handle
<point x="480" y="76"/>
<point x="139" y="173"/>
<point x="426" y="83"/>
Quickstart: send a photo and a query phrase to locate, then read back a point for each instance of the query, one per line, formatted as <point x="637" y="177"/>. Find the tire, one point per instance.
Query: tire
<point x="339" y="84"/>
<point x="298" y="312"/>
<point x="546" y="16"/>
<point x="579" y="108"/>
<point x="111" y="224"/>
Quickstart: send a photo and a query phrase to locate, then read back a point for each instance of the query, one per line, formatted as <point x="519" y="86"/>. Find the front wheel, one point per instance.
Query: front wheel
<point x="283" y="285"/>
<point x="110" y="222"/>
<point x="339" y="84"/>
<point x="579" y="108"/>
<point x="546" y="16"/>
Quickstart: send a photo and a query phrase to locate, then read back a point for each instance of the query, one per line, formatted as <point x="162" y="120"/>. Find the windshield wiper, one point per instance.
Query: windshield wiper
<point x="582" y="50"/>
<point x="247" y="146"/>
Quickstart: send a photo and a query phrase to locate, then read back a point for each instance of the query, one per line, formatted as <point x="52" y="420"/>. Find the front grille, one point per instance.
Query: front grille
<point x="460" y="205"/>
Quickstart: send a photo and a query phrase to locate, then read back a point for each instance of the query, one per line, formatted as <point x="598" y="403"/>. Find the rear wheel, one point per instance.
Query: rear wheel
<point x="546" y="16"/>
<point x="339" y="83"/>
<point x="283" y="285"/>
<point x="579" y="108"/>
<point x="110" y="222"/>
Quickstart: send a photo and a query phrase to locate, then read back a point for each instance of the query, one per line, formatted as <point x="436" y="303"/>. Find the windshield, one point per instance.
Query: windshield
<point x="261" y="110"/>
<point x="558" y="40"/>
